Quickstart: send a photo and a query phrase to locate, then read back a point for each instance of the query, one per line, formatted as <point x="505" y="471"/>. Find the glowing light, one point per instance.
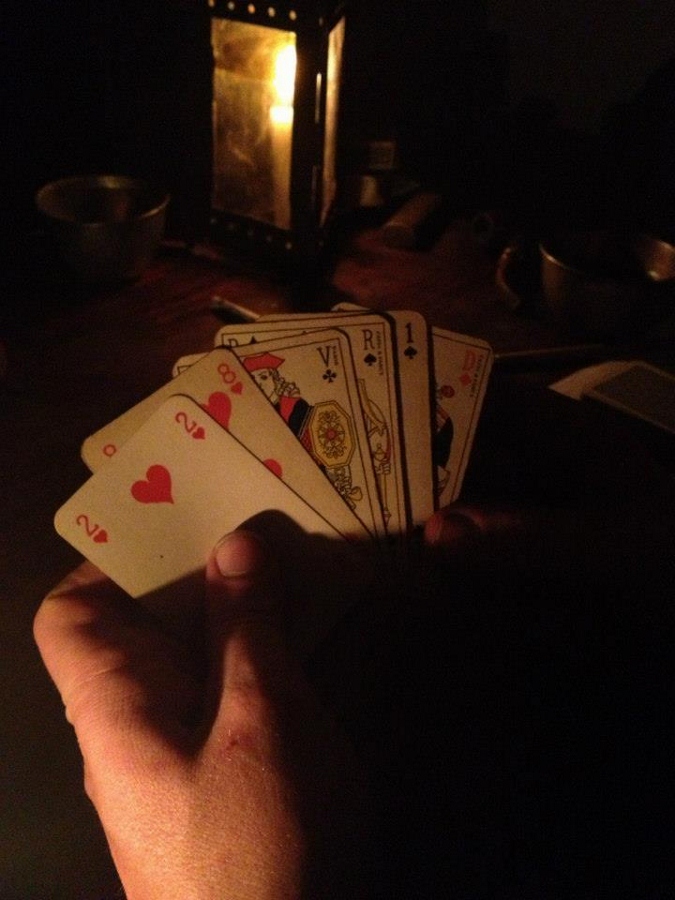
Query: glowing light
<point x="284" y="74"/>
<point x="281" y="119"/>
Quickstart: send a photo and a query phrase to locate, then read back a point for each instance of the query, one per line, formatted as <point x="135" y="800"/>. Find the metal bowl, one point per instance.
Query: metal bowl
<point x="656" y="257"/>
<point x="107" y="228"/>
<point x="602" y="284"/>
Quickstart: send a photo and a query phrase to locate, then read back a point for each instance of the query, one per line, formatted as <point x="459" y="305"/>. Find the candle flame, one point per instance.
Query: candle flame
<point x="284" y="75"/>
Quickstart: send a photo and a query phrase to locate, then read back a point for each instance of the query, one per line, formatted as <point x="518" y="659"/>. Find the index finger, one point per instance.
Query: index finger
<point x="113" y="665"/>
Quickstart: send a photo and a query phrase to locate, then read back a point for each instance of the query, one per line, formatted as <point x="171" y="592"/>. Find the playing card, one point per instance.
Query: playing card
<point x="219" y="383"/>
<point x="640" y="390"/>
<point x="372" y="351"/>
<point x="151" y="516"/>
<point x="185" y="362"/>
<point x="413" y="365"/>
<point x="310" y="380"/>
<point x="461" y="372"/>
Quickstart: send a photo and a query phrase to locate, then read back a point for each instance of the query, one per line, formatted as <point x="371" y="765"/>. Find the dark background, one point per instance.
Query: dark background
<point x="516" y="104"/>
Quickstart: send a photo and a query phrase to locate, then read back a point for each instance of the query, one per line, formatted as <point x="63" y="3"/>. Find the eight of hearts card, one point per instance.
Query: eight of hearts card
<point x="222" y="386"/>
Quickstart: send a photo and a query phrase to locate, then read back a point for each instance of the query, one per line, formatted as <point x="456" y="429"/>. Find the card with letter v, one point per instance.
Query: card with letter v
<point x="310" y="381"/>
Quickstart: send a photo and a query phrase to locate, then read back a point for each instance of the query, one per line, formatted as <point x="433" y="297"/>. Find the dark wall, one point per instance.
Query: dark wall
<point x="428" y="74"/>
<point x="96" y="85"/>
<point x="585" y="55"/>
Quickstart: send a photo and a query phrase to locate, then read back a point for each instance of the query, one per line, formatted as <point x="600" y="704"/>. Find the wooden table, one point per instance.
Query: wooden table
<point x="78" y="359"/>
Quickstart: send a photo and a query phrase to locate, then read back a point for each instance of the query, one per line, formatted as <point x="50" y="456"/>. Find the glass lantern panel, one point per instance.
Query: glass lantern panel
<point x="336" y="40"/>
<point x="253" y="92"/>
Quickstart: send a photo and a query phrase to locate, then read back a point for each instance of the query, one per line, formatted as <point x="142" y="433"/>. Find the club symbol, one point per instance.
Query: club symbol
<point x="370" y="359"/>
<point x="411" y="353"/>
<point x="329" y="375"/>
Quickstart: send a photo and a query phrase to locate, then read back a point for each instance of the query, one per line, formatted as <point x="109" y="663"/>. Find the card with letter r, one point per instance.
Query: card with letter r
<point x="372" y="351"/>
<point x="151" y="516"/>
<point x="462" y="368"/>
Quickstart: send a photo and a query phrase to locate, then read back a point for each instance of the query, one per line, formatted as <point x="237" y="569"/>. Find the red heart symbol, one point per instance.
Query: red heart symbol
<point x="198" y="434"/>
<point x="274" y="467"/>
<point x="101" y="536"/>
<point x="237" y="388"/>
<point x="157" y="488"/>
<point x="219" y="406"/>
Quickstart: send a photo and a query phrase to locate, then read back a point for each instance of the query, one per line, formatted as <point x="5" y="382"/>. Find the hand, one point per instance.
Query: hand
<point x="224" y="780"/>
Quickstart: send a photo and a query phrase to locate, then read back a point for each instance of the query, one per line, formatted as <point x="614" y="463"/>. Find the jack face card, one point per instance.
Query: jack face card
<point x="222" y="386"/>
<point x="461" y="370"/>
<point x="151" y="516"/>
<point x="310" y="381"/>
<point x="372" y="351"/>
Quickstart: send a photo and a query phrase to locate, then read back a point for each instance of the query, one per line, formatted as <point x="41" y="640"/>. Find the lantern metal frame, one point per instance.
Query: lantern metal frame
<point x="311" y="206"/>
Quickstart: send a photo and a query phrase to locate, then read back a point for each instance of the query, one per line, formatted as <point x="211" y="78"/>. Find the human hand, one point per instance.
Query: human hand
<point x="211" y="781"/>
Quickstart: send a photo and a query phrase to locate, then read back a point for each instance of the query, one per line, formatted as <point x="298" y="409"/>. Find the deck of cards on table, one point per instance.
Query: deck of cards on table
<point x="356" y="425"/>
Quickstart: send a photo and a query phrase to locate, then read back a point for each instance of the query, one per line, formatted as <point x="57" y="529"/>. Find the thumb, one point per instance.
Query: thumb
<point x="268" y="715"/>
<point x="240" y="575"/>
<point x="252" y="671"/>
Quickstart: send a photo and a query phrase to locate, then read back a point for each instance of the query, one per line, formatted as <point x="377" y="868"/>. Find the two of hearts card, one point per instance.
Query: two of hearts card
<point x="353" y="424"/>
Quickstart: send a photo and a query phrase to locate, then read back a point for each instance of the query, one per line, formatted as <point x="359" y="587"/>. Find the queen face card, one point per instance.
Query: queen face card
<point x="151" y="516"/>
<point x="462" y="368"/>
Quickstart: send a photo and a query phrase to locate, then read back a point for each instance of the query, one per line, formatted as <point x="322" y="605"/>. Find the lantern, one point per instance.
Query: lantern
<point x="276" y="86"/>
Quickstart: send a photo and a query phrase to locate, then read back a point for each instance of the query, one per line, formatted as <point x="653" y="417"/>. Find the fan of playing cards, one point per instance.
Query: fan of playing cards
<point x="354" y="424"/>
